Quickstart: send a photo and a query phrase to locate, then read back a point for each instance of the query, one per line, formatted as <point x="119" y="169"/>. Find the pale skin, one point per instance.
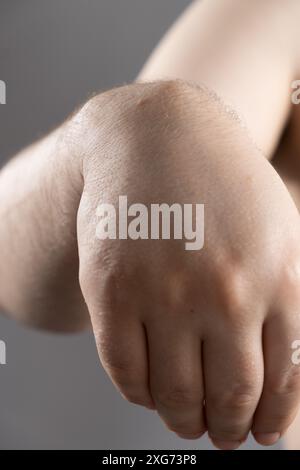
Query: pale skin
<point x="214" y="316"/>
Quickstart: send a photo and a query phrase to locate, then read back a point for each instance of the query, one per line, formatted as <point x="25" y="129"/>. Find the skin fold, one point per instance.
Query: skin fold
<point x="223" y="318"/>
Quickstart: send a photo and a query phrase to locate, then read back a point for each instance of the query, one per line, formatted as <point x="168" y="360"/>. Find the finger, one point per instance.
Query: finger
<point x="233" y="375"/>
<point x="122" y="347"/>
<point x="281" y="392"/>
<point x="176" y="377"/>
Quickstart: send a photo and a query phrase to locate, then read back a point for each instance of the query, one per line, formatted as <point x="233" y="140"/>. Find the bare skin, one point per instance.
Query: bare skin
<point x="222" y="298"/>
<point x="214" y="316"/>
<point x="286" y="162"/>
<point x="244" y="280"/>
<point x="249" y="52"/>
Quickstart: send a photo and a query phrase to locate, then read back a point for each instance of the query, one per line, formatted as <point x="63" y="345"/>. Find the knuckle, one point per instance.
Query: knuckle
<point x="234" y="296"/>
<point x="115" y="286"/>
<point x="285" y="384"/>
<point x="135" y="397"/>
<point x="232" y="291"/>
<point x="118" y="368"/>
<point x="290" y="280"/>
<point x="178" y="397"/>
<point x="236" y="400"/>
<point x="108" y="286"/>
<point x="279" y="419"/>
<point x="136" y="102"/>
<point x="117" y="364"/>
<point x="126" y="379"/>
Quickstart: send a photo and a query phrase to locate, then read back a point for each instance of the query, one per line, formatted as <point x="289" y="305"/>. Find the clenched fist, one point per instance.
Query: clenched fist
<point x="204" y="335"/>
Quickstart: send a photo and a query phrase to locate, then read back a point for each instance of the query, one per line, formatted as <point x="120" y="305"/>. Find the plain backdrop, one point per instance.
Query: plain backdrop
<point x="53" y="55"/>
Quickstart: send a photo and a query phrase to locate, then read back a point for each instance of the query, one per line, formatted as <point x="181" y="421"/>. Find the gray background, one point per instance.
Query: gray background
<point x="53" y="54"/>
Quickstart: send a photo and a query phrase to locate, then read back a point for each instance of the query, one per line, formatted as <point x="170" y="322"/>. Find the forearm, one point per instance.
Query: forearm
<point x="248" y="51"/>
<point x="39" y="198"/>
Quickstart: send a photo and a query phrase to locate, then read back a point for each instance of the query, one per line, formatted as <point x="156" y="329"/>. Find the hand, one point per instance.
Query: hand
<point x="202" y="336"/>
